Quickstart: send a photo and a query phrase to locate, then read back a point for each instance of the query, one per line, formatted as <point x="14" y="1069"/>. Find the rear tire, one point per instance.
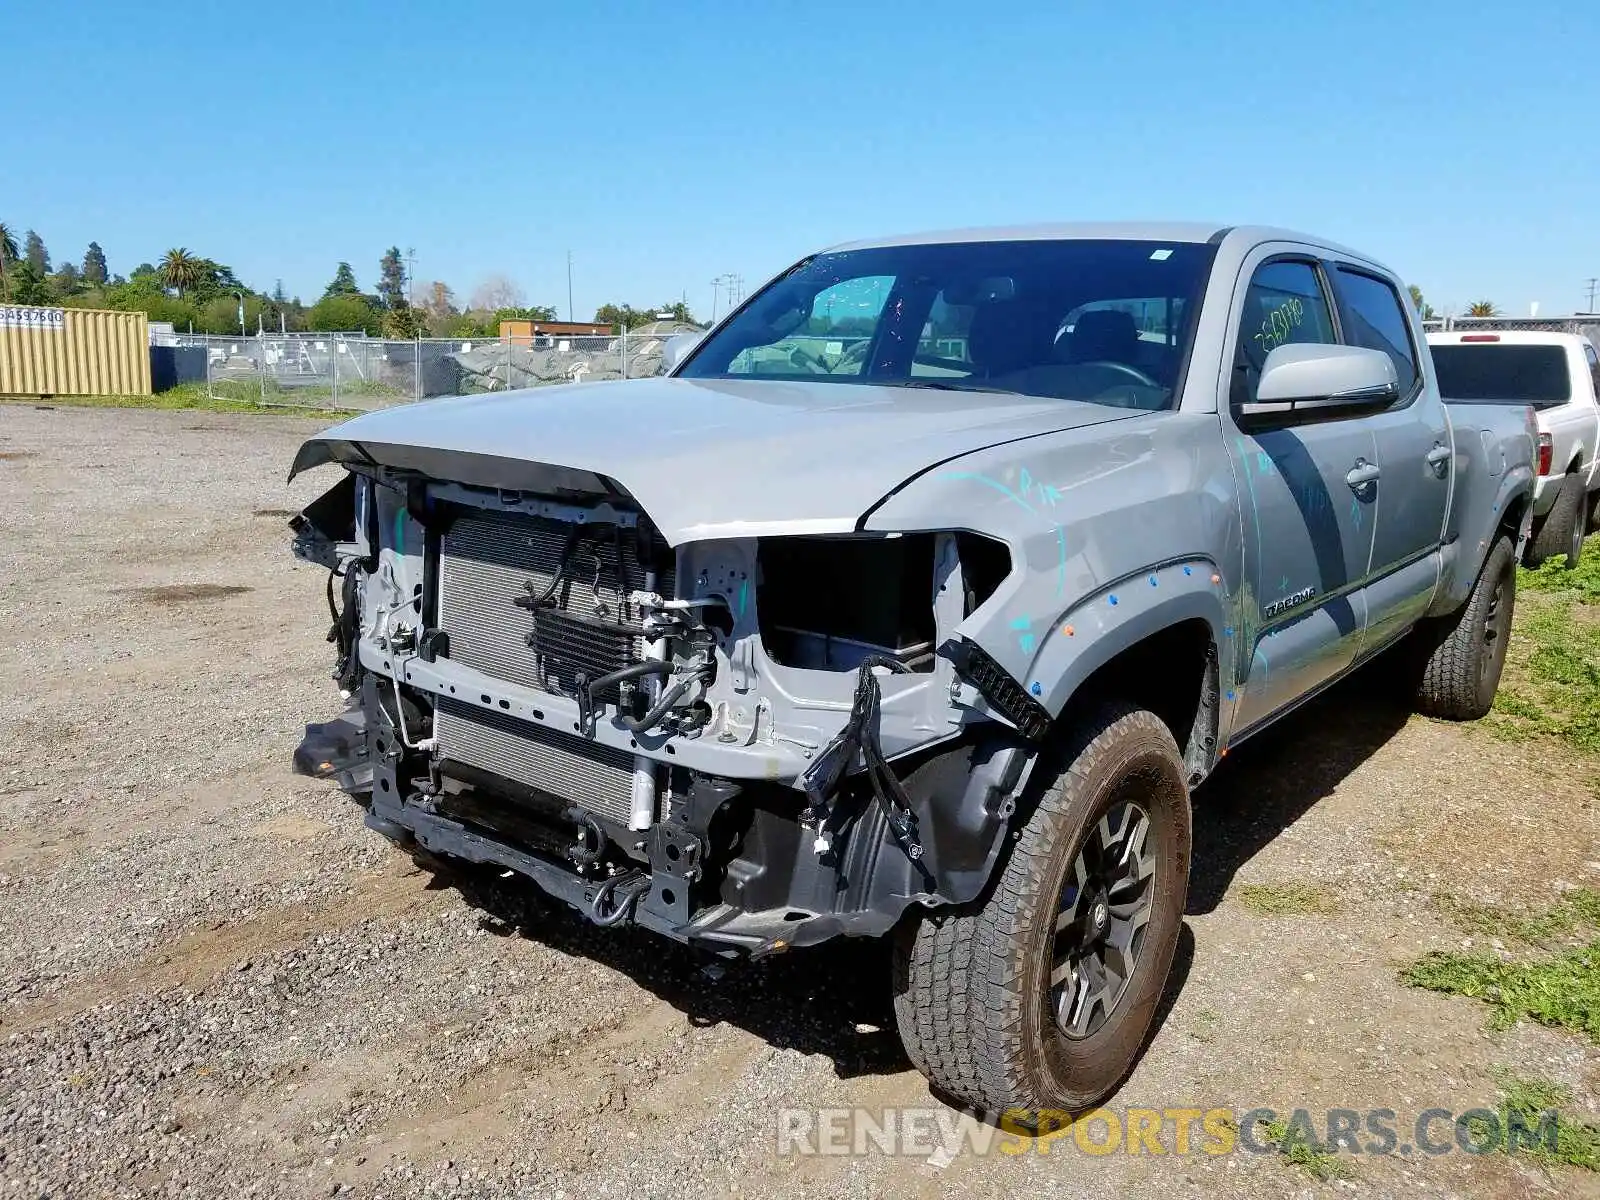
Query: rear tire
<point x="1466" y="651"/>
<point x="999" y="1008"/>
<point x="1564" y="527"/>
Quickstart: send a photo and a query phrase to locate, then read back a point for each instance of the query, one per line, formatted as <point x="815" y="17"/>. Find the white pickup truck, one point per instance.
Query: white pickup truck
<point x="1559" y="375"/>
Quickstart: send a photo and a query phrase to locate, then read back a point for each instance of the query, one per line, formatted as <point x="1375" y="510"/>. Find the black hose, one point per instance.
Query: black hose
<point x="582" y="853"/>
<point x="654" y="717"/>
<point x="631" y="885"/>
<point x="636" y="670"/>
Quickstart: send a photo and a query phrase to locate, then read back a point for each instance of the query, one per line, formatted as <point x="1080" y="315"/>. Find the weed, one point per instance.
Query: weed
<point x="1288" y="899"/>
<point x="1552" y="682"/>
<point x="193" y="396"/>
<point x="1583" y="581"/>
<point x="1562" y="990"/>
<point x="1530" y="1123"/>
<point x="1580" y="907"/>
<point x="1303" y="1151"/>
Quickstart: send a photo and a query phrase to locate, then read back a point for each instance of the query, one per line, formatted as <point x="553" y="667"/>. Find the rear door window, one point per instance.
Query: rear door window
<point x="1501" y="371"/>
<point x="1594" y="367"/>
<point x="1375" y="318"/>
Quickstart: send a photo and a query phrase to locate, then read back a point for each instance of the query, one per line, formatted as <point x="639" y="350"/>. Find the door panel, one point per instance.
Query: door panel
<point x="1308" y="531"/>
<point x="1310" y="536"/>
<point x="1413" y="453"/>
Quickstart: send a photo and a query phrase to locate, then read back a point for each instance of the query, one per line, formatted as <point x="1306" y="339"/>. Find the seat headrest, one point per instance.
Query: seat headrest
<point x="1102" y="335"/>
<point x="1007" y="335"/>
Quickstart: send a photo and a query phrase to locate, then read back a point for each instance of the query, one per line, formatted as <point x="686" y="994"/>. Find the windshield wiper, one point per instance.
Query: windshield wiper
<point x="945" y="385"/>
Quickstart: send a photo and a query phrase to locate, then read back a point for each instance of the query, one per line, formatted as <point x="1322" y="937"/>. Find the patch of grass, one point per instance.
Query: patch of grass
<point x="1582" y="583"/>
<point x="189" y="396"/>
<point x="1552" y="683"/>
<point x="1561" y="990"/>
<point x="1580" y="907"/>
<point x="1531" y="1125"/>
<point x="1288" y="899"/>
<point x="1303" y="1152"/>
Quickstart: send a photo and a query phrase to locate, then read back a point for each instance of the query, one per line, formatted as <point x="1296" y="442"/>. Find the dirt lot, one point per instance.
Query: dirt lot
<point x="213" y="981"/>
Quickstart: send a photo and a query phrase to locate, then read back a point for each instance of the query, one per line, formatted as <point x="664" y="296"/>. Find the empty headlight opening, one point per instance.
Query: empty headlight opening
<point x="826" y="603"/>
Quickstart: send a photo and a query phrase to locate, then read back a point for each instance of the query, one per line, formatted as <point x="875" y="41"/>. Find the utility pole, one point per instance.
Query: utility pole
<point x="1593" y="283"/>
<point x="716" y="294"/>
<point x="411" y="273"/>
<point x="569" y="287"/>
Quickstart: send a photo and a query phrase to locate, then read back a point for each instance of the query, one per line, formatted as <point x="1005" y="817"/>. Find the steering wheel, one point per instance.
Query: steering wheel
<point x="1122" y="368"/>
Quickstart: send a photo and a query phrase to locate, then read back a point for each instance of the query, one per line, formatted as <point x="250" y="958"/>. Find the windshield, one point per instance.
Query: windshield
<point x="1104" y="321"/>
<point x="1535" y="375"/>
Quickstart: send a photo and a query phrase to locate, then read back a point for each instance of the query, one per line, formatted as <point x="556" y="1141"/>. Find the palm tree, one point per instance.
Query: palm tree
<point x="1483" y="308"/>
<point x="8" y="253"/>
<point x="180" y="269"/>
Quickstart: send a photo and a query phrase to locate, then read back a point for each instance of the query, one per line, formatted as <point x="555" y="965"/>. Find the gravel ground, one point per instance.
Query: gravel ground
<point x="213" y="981"/>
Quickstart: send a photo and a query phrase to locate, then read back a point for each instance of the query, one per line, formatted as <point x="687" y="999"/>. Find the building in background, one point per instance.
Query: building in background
<point x="523" y="331"/>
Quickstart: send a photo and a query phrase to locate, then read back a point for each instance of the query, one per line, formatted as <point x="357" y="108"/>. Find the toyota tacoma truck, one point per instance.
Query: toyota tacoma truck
<point x="914" y="601"/>
<point x="1559" y="375"/>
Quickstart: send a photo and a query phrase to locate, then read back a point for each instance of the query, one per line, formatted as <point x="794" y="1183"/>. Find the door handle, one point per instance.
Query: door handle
<point x="1439" y="457"/>
<point x="1362" y="474"/>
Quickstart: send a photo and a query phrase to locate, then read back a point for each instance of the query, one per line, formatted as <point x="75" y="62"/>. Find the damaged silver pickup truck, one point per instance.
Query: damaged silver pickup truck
<point x="914" y="602"/>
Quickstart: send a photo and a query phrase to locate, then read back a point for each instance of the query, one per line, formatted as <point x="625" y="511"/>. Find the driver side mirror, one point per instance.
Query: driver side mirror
<point x="1314" y="382"/>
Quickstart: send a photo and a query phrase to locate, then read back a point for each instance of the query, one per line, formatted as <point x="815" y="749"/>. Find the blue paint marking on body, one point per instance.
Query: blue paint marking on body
<point x="1188" y="570"/>
<point x="1153" y="581"/>
<point x="1037" y="689"/>
<point x="1230" y="693"/>
<point x="400" y="531"/>
<point x="1046" y="493"/>
<point x="1112" y="597"/>
<point x="744" y="598"/>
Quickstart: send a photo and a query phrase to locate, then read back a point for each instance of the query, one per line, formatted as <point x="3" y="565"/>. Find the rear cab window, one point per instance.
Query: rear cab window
<point x="1504" y="372"/>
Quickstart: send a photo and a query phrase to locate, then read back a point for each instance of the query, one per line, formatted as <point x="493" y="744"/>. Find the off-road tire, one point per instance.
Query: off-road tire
<point x="1564" y="526"/>
<point x="1463" y="663"/>
<point x="970" y="984"/>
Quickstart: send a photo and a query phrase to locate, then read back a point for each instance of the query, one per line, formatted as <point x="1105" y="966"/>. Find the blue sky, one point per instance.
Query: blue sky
<point x="666" y="144"/>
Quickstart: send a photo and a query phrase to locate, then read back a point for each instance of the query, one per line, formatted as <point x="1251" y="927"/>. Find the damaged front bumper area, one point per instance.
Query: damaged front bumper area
<point x="741" y="743"/>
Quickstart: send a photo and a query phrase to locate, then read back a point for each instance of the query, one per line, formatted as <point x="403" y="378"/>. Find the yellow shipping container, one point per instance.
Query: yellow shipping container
<point x="73" y="352"/>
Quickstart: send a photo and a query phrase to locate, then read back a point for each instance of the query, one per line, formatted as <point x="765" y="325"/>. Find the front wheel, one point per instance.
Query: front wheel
<point x="1039" y="996"/>
<point x="1466" y="651"/>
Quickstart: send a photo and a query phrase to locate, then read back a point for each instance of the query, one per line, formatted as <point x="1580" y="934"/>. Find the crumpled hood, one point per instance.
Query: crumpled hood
<point x="704" y="458"/>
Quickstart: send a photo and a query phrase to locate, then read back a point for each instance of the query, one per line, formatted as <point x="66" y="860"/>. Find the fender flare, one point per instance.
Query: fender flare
<point x="1122" y="614"/>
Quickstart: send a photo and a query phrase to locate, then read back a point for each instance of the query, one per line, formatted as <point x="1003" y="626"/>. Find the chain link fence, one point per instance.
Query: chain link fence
<point x="353" y="371"/>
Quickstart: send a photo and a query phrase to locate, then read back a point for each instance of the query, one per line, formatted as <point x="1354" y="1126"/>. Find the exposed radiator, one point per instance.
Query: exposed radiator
<point x="492" y="567"/>
<point x="596" y="777"/>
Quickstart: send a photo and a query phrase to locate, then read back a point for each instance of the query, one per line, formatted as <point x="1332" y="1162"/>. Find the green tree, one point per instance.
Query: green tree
<point x="343" y="283"/>
<point x="403" y="321"/>
<point x="68" y="281"/>
<point x="624" y="316"/>
<point x="180" y="270"/>
<point x="278" y="296"/>
<point x="343" y="314"/>
<point x="8" y="254"/>
<point x="94" y="265"/>
<point x="391" y="279"/>
<point x="1424" y="309"/>
<point x="29" y="285"/>
<point x="33" y="250"/>
<point x="1483" y="308"/>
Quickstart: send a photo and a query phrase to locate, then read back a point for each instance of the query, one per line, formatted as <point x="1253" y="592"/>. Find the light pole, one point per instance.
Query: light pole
<point x="240" y="296"/>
